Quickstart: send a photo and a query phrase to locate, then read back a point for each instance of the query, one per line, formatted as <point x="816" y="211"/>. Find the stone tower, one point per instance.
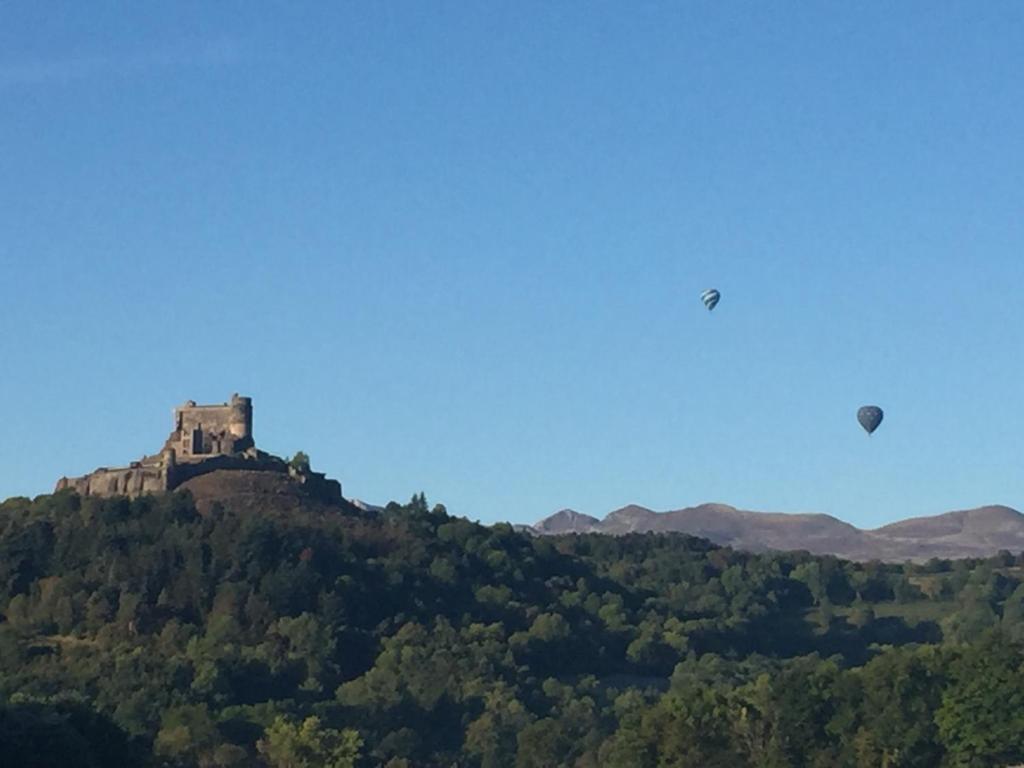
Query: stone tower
<point x="202" y="431"/>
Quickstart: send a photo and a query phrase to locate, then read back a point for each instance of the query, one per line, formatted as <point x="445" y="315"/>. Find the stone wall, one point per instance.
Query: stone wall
<point x="123" y="481"/>
<point x="186" y="471"/>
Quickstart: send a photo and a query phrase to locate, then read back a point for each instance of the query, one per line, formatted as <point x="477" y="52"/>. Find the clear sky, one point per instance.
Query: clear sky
<point x="458" y="247"/>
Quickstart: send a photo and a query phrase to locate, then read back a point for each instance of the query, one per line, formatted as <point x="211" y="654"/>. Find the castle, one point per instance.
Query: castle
<point x="213" y="430"/>
<point x="206" y="438"/>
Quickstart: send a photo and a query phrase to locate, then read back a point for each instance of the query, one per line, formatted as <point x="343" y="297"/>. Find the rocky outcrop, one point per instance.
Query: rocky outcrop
<point x="254" y="491"/>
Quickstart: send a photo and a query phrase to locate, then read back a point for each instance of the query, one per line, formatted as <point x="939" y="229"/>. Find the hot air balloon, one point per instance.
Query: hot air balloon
<point x="710" y="298"/>
<point x="870" y="416"/>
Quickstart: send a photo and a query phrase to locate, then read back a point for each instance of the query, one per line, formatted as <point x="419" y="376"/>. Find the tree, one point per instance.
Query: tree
<point x="691" y="731"/>
<point x="810" y="574"/>
<point x="904" y="591"/>
<point x="541" y="744"/>
<point x="299" y="462"/>
<point x="784" y="717"/>
<point x="53" y="734"/>
<point x="549" y="627"/>
<point x="1013" y="614"/>
<point x="307" y="641"/>
<point x="628" y="746"/>
<point x="491" y="738"/>
<point x="981" y="720"/>
<point x="186" y="733"/>
<point x="899" y="694"/>
<point x="973" y="616"/>
<point x="862" y="615"/>
<point x="308" y="744"/>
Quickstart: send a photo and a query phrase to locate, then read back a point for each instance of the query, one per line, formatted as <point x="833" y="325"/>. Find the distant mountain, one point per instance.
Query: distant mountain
<point x="631" y="519"/>
<point x="567" y="521"/>
<point x="968" y="533"/>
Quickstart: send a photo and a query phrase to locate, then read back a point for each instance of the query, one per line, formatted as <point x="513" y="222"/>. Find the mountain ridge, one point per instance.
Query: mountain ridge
<point x="978" y="532"/>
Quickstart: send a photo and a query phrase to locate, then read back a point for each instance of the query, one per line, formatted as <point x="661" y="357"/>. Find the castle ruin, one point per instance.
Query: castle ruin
<point x="206" y="438"/>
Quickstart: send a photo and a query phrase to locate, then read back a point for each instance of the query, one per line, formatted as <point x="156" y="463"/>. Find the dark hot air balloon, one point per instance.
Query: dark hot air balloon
<point x="870" y="416"/>
<point x="710" y="298"/>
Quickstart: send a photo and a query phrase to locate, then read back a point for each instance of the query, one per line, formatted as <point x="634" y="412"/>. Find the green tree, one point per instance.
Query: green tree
<point x="186" y="733"/>
<point x="974" y="615"/>
<point x="299" y="462"/>
<point x="981" y="720"/>
<point x="810" y="574"/>
<point x="629" y="746"/>
<point x="784" y="717"/>
<point x="541" y="744"/>
<point x="904" y="591"/>
<point x="549" y="627"/>
<point x="1013" y="614"/>
<point x="491" y="738"/>
<point x="308" y="744"/>
<point x="690" y="730"/>
<point x="900" y="692"/>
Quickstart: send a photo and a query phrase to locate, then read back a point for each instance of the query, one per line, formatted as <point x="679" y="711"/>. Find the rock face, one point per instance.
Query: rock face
<point x="205" y="439"/>
<point x="969" y="533"/>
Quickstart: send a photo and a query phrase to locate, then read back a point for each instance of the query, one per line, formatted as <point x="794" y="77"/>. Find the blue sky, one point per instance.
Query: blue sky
<point x="459" y="247"/>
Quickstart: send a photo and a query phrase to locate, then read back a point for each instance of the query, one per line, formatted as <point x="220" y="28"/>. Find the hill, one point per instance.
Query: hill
<point x="258" y="492"/>
<point x="978" y="532"/>
<point x="567" y="521"/>
<point x="240" y="621"/>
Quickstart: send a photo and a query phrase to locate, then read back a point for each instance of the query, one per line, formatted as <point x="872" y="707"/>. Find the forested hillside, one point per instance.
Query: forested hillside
<point x="139" y="633"/>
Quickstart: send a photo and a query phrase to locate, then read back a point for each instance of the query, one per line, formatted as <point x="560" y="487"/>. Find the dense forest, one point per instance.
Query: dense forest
<point x="141" y="633"/>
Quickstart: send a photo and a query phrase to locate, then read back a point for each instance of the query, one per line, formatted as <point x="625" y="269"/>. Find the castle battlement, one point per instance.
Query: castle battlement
<point x="205" y="438"/>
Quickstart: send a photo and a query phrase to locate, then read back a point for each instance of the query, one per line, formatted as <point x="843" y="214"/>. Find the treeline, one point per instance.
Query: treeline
<point x="411" y="638"/>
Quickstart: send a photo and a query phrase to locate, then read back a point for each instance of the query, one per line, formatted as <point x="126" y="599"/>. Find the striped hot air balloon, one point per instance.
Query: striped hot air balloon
<point x="710" y="298"/>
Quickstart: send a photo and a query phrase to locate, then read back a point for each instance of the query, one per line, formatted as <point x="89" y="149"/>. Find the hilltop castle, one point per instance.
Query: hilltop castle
<point x="206" y="438"/>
